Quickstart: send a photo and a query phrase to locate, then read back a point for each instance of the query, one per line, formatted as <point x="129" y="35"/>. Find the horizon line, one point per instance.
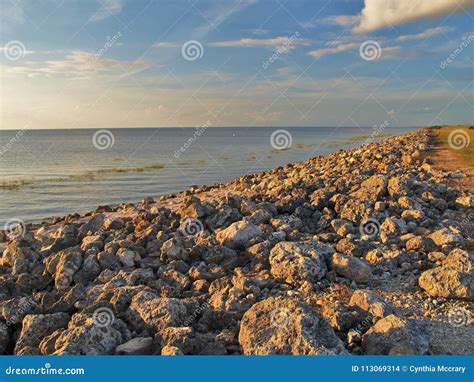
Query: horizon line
<point x="223" y="127"/>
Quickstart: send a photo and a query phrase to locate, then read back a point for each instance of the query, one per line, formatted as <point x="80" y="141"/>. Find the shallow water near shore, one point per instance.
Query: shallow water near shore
<point x="54" y="172"/>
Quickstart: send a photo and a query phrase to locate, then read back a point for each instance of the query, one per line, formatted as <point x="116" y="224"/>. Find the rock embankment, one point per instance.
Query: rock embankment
<point x="365" y="251"/>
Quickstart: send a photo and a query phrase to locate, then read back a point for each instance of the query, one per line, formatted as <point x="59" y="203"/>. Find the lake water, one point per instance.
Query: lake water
<point x="55" y="172"/>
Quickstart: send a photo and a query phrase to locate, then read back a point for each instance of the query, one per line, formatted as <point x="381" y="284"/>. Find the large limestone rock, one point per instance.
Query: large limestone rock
<point x="171" y="350"/>
<point x="459" y="260"/>
<point x="193" y="208"/>
<point x="447" y="282"/>
<point x="371" y="302"/>
<point x="398" y="186"/>
<point x="136" y="346"/>
<point x="296" y="263"/>
<point x="13" y="311"/>
<point x="65" y="236"/>
<point x="284" y="326"/>
<point x="392" y="335"/>
<point x="372" y="189"/>
<point x="63" y="266"/>
<point x="421" y="244"/>
<point x="92" y="225"/>
<point x="465" y="201"/>
<point x="87" y="338"/>
<point x="37" y="326"/>
<point x="239" y="234"/>
<point x="21" y="254"/>
<point x="350" y="267"/>
<point x="158" y="312"/>
<point x="446" y="237"/>
<point x="355" y="210"/>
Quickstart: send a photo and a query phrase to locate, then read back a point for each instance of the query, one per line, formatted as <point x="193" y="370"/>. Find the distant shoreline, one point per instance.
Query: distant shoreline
<point x="210" y="127"/>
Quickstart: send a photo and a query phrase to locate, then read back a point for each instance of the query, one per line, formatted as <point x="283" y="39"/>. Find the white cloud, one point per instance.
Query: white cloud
<point x="252" y="43"/>
<point x="107" y="9"/>
<point x="276" y="42"/>
<point x="347" y="43"/>
<point x="378" y="14"/>
<point x="424" y="35"/>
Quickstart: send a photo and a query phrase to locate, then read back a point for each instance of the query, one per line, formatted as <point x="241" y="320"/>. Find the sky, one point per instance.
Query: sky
<point x="187" y="63"/>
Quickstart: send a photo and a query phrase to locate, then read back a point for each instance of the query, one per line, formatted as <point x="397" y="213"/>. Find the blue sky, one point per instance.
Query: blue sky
<point x="121" y="63"/>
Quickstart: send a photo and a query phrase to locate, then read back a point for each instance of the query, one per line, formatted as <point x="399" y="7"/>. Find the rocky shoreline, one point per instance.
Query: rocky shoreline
<point x="364" y="251"/>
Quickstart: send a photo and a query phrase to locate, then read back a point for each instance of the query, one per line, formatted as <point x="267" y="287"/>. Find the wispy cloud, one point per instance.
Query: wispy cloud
<point x="378" y="14"/>
<point x="352" y="42"/>
<point x="79" y="64"/>
<point x="107" y="9"/>
<point x="387" y="52"/>
<point x="424" y="35"/>
<point x="252" y="42"/>
<point x="318" y="53"/>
